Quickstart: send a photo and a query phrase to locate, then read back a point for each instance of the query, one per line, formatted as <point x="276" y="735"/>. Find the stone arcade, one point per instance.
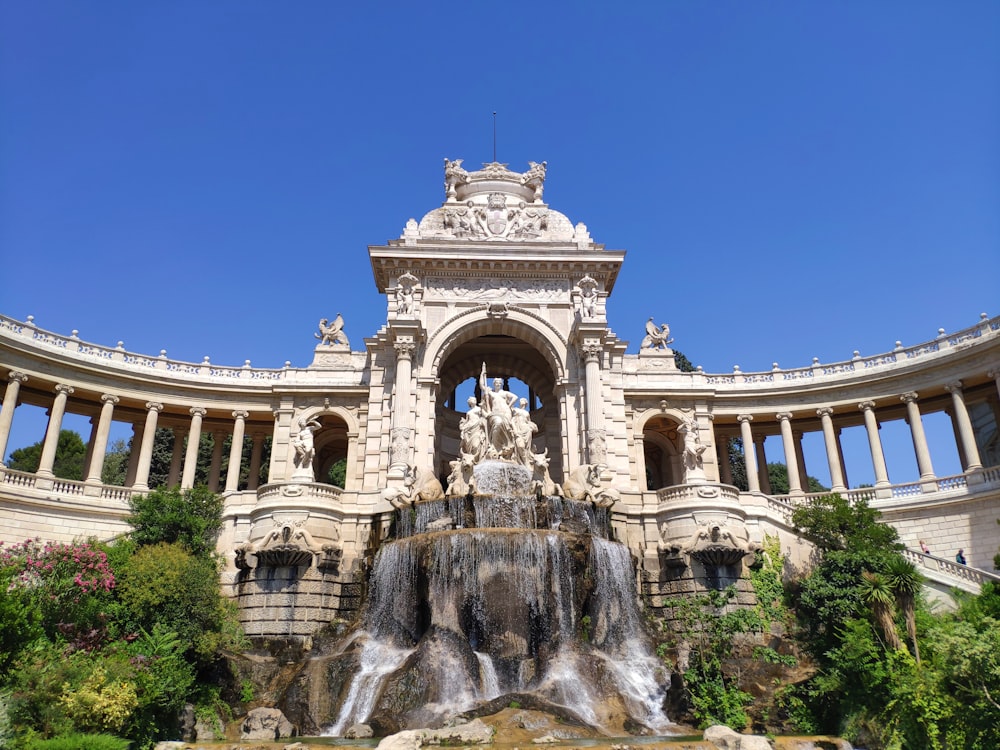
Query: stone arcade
<point x="491" y="286"/>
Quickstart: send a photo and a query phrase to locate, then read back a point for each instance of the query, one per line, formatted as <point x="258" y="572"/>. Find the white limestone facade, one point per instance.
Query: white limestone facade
<point x="495" y="276"/>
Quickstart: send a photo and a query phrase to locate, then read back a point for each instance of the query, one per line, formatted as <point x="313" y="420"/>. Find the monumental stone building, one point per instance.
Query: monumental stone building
<point x="494" y="286"/>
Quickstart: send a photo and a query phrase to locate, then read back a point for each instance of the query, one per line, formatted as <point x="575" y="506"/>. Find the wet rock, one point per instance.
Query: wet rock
<point x="266" y="724"/>
<point x="359" y="732"/>
<point x="725" y="738"/>
<point x="474" y="732"/>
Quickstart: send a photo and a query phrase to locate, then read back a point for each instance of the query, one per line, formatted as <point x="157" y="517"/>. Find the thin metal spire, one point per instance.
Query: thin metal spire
<point x="494" y="137"/>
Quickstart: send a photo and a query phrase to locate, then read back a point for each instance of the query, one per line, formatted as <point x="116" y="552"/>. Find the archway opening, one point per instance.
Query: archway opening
<point x="663" y="450"/>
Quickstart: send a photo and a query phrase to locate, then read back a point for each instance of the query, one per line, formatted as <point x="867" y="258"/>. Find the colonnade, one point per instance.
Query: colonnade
<point x="183" y="461"/>
<point x="791" y="439"/>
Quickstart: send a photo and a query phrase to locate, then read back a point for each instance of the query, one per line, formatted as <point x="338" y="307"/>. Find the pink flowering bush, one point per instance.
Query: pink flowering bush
<point x="65" y="588"/>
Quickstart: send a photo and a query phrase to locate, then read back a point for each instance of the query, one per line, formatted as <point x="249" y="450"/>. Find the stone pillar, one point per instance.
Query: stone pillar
<point x="788" y="443"/>
<point x="919" y="441"/>
<point x="800" y="459"/>
<point x="194" y="442"/>
<point x="132" y="470"/>
<point x="399" y="446"/>
<point x="995" y="374"/>
<point x="762" y="473"/>
<point x="256" y="452"/>
<point x="832" y="445"/>
<point x="218" y="438"/>
<point x="965" y="431"/>
<point x="725" y="467"/>
<point x="174" y="476"/>
<point x="48" y="458"/>
<point x="749" y="459"/>
<point x="236" y="451"/>
<point x="596" y="440"/>
<point x="350" y="474"/>
<point x="100" y="442"/>
<point x="840" y="452"/>
<point x="146" y="452"/>
<point x="640" y="460"/>
<point x="14" y="380"/>
<point x="875" y="444"/>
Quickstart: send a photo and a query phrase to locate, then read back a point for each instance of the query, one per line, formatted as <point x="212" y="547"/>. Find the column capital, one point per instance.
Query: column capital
<point x="954" y="387"/>
<point x="241" y="414"/>
<point x="198" y="411"/>
<point x="154" y="406"/>
<point x="63" y="388"/>
<point x="909" y="397"/>
<point x="591" y="351"/>
<point x="783" y="416"/>
<point x="824" y="411"/>
<point x="109" y="398"/>
<point x="867" y="406"/>
<point x="14" y="375"/>
<point x="404" y="348"/>
<point x="744" y="417"/>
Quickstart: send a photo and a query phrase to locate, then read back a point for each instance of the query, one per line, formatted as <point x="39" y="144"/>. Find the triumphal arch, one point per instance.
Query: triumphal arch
<point x="496" y="348"/>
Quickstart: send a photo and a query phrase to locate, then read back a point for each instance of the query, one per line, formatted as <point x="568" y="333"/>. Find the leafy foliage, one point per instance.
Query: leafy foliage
<point x="192" y="518"/>
<point x="69" y="458"/>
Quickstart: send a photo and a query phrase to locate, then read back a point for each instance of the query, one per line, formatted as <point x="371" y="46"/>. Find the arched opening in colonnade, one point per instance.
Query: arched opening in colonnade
<point x="662" y="447"/>
<point x="525" y="371"/>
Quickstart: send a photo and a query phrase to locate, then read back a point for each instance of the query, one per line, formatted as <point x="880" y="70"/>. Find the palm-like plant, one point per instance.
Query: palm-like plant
<point x="905" y="582"/>
<point x="875" y="592"/>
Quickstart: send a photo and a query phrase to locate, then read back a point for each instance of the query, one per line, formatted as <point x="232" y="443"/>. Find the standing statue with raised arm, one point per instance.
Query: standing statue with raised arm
<point x="497" y="405"/>
<point x="304" y="444"/>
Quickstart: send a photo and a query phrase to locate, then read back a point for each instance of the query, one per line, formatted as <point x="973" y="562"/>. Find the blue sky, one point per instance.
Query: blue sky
<point x="789" y="179"/>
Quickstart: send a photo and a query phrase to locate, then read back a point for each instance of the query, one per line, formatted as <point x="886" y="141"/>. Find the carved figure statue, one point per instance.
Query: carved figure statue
<point x="332" y="333"/>
<point x="304" y="444"/>
<point x="472" y="429"/>
<point x="588" y="297"/>
<point x="584" y="483"/>
<point x="523" y="428"/>
<point x="657" y="337"/>
<point x="454" y="175"/>
<point x="497" y="406"/>
<point x="404" y="294"/>
<point x="693" y="448"/>
<point x="535" y="178"/>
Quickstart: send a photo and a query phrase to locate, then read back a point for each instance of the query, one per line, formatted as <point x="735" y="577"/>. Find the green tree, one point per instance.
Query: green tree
<point x="70" y="454"/>
<point x="191" y="517"/>
<point x="777" y="474"/>
<point x="338" y="473"/>
<point x="115" y="465"/>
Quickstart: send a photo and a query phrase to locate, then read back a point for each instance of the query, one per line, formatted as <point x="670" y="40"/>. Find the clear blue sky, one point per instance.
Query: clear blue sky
<point x="789" y="179"/>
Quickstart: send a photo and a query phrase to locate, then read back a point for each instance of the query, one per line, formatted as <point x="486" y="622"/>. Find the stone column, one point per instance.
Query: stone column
<point x="965" y="431"/>
<point x="14" y="380"/>
<point x="146" y="452"/>
<point x="800" y="459"/>
<point x="725" y="467"/>
<point x="256" y="452"/>
<point x="399" y="445"/>
<point x="194" y="441"/>
<point x="48" y="458"/>
<point x="749" y="459"/>
<point x="832" y="450"/>
<point x="174" y="476"/>
<point x="596" y="445"/>
<point x="762" y="473"/>
<point x="919" y="441"/>
<point x="91" y="439"/>
<point x="100" y="442"/>
<point x="639" y="443"/>
<point x="788" y="443"/>
<point x="132" y="470"/>
<point x="218" y="438"/>
<point x="236" y="451"/>
<point x="875" y="444"/>
<point x="995" y="374"/>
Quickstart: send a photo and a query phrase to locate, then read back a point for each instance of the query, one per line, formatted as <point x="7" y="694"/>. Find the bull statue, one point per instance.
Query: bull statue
<point x="541" y="482"/>
<point x="418" y="485"/>
<point x="584" y="483"/>
<point x="462" y="481"/>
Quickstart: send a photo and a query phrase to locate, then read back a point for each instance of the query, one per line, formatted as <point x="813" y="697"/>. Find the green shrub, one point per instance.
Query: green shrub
<point x="79" y="741"/>
<point x="191" y="518"/>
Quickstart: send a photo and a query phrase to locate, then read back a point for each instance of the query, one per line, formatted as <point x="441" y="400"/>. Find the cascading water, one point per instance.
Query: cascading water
<point x="494" y="606"/>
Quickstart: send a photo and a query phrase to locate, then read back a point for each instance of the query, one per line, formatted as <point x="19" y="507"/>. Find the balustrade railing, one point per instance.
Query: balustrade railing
<point x="952" y="568"/>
